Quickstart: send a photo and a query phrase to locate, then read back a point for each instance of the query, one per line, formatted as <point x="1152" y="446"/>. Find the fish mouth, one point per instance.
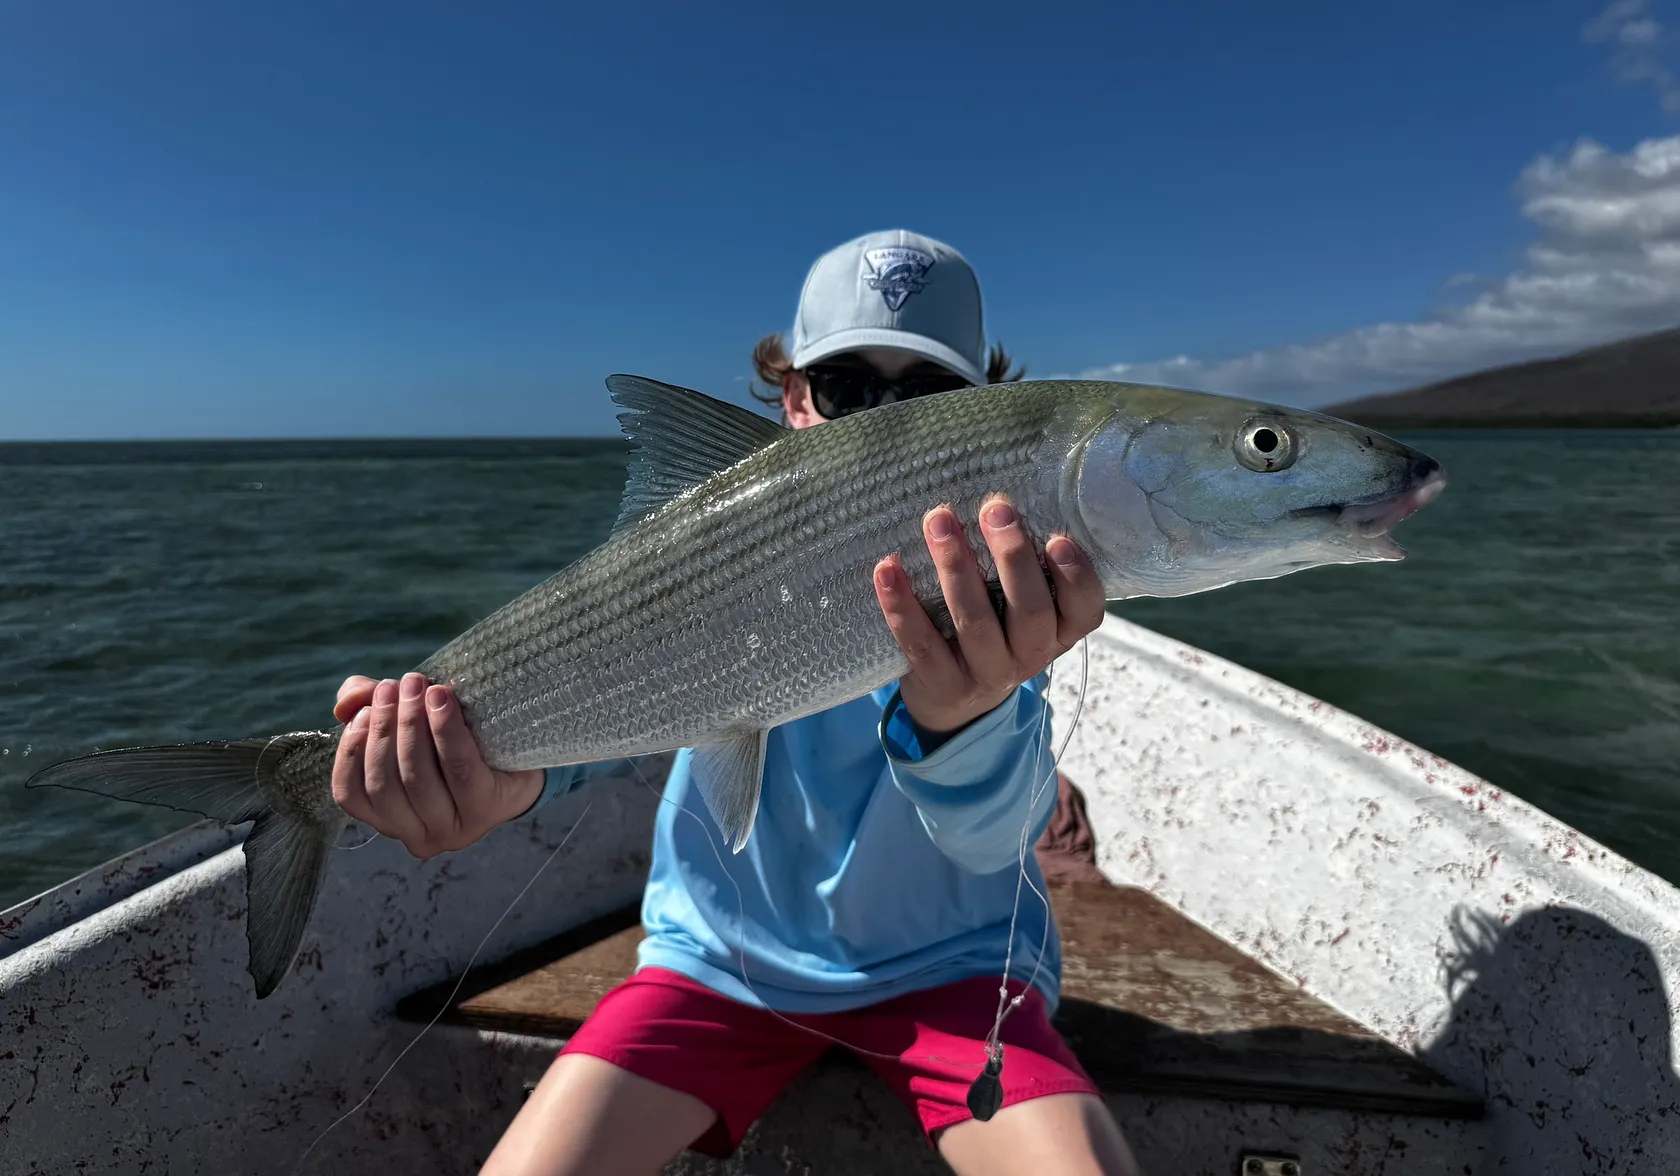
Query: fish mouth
<point x="1368" y="523"/>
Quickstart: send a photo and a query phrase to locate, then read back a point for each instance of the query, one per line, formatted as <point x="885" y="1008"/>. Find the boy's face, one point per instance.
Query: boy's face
<point x="855" y="381"/>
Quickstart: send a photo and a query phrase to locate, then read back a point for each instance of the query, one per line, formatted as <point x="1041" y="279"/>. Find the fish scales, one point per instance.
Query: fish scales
<point x="724" y="609"/>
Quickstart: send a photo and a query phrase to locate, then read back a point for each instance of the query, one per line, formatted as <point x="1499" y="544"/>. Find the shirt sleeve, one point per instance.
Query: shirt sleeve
<point x="976" y="790"/>
<point x="560" y="781"/>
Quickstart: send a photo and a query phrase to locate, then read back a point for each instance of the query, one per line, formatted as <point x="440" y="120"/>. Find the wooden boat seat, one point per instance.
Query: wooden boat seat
<point x="1151" y="1002"/>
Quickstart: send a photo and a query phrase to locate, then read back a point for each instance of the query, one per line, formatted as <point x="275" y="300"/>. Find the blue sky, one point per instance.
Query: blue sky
<point x="420" y="219"/>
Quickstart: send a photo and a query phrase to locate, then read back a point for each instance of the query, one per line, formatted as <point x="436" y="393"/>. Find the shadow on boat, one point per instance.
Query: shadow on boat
<point x="1562" y="1022"/>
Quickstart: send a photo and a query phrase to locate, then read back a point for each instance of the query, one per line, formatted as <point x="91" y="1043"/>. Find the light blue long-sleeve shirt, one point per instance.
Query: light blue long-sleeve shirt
<point x="873" y="869"/>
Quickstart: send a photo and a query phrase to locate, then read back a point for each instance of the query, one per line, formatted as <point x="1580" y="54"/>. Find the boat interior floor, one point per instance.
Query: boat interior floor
<point x="1151" y="1002"/>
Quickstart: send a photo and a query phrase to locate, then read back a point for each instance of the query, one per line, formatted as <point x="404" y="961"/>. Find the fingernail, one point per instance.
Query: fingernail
<point x="412" y="685"/>
<point x="360" y="721"/>
<point x="999" y="515"/>
<point x="1062" y="550"/>
<point x="385" y="693"/>
<point x="886" y="577"/>
<point x="942" y="525"/>
<point x="437" y="698"/>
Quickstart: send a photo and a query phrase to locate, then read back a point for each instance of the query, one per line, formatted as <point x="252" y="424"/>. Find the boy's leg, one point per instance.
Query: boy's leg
<point x="587" y="1115"/>
<point x="1069" y="1134"/>
<point x="662" y="1064"/>
<point x="1053" y="1118"/>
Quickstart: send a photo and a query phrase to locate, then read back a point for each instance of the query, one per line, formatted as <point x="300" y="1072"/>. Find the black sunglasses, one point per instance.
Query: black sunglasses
<point x="839" y="390"/>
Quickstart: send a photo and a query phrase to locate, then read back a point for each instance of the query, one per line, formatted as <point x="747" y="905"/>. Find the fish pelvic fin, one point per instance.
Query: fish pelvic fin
<point x="729" y="774"/>
<point x="259" y="780"/>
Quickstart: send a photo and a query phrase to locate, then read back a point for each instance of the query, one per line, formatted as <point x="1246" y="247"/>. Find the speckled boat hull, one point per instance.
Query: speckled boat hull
<point x="1514" y="955"/>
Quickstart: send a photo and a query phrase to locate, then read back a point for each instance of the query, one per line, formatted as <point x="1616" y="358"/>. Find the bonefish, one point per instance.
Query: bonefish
<point x="735" y="594"/>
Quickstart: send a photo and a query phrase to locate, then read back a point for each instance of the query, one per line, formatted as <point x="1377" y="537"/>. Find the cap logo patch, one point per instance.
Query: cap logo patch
<point x="897" y="271"/>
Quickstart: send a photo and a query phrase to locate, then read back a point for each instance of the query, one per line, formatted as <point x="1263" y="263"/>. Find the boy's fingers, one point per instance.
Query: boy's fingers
<point x="356" y="693"/>
<point x="1030" y="614"/>
<point x="979" y="635"/>
<point x="349" y="785"/>
<point x="468" y="778"/>
<point x="1080" y="600"/>
<point x="418" y="762"/>
<point x="395" y="815"/>
<point x="932" y="663"/>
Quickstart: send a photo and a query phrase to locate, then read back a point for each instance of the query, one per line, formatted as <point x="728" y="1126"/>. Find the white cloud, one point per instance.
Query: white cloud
<point x="1606" y="265"/>
<point x="1629" y="25"/>
<point x="1639" y="32"/>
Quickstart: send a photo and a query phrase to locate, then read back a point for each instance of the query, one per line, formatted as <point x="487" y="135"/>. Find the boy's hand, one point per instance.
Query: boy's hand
<point x="408" y="766"/>
<point x="951" y="683"/>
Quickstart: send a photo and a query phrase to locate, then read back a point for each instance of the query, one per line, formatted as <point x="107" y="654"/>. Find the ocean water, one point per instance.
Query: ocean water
<point x="151" y="593"/>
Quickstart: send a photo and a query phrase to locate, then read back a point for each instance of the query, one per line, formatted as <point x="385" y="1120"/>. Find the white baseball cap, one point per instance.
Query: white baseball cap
<point x="894" y="289"/>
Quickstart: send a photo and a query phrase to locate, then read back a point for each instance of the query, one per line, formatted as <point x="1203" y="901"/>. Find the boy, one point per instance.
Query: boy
<point x="873" y="903"/>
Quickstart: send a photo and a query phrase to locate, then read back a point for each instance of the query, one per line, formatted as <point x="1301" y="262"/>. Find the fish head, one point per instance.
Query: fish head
<point x="1183" y="492"/>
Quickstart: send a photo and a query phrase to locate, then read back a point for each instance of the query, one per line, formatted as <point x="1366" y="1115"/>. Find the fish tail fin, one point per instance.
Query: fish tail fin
<point x="234" y="782"/>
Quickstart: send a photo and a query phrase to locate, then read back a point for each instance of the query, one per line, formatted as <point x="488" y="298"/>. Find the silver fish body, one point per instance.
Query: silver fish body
<point x="749" y="602"/>
<point x="735" y="593"/>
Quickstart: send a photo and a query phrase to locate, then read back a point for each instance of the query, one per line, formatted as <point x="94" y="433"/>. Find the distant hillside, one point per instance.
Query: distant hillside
<point x="1634" y="383"/>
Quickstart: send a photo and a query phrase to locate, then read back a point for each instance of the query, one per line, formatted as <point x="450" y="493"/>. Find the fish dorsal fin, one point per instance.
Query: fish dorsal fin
<point x="679" y="438"/>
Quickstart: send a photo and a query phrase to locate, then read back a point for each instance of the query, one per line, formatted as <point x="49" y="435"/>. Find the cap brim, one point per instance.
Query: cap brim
<point x="859" y="338"/>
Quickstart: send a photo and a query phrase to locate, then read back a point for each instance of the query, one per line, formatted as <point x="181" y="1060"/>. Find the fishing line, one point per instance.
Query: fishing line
<point x="453" y="992"/>
<point x="985" y="1096"/>
<point x="1006" y="1004"/>
<point x="371" y="838"/>
<point x="1023" y="876"/>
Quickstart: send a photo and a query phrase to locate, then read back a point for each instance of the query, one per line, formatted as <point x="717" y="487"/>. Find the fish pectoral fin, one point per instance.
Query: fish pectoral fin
<point x="730" y="775"/>
<point x="285" y="860"/>
<point x="679" y="438"/>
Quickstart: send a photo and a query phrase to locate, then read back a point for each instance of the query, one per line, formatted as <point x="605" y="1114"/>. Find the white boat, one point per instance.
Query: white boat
<point x="1371" y="907"/>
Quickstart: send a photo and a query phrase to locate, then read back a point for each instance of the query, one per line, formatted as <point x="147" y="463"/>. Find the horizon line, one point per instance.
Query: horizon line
<point x="313" y="439"/>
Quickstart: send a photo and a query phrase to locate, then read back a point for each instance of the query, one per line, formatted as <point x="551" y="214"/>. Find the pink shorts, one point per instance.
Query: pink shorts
<point x="737" y="1058"/>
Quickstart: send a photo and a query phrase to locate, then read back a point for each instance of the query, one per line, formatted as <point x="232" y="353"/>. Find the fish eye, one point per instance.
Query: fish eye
<point x="1266" y="446"/>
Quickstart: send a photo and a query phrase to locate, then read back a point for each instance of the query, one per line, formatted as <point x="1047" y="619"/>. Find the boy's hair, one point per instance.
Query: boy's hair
<point x="771" y="363"/>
